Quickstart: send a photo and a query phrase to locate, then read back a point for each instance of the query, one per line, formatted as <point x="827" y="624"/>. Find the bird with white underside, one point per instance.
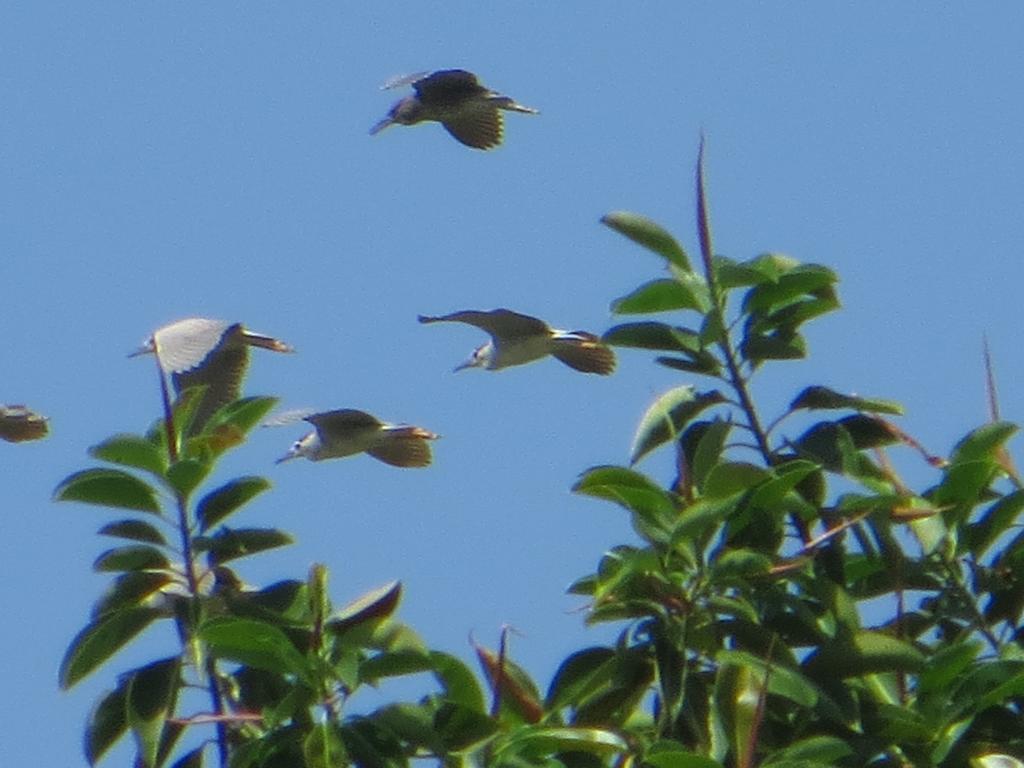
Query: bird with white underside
<point x="199" y="351"/>
<point x="456" y="99"/>
<point x="347" y="432"/>
<point x="517" y="339"/>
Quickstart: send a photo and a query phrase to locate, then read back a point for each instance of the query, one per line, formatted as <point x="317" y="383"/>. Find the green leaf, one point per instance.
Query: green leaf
<point x="867" y="652"/>
<point x="394" y="664"/>
<point x="131" y="451"/>
<point x="223" y="501"/>
<point x="135" y="557"/>
<point x="665" y="295"/>
<point x="376" y="604"/>
<point x="533" y="742"/>
<point x="946" y="664"/>
<point x="135" y="530"/>
<point x="230" y="544"/>
<point x="580" y="675"/>
<point x="241" y="415"/>
<point x="740" y="564"/>
<point x="782" y="681"/>
<point x="100" y="640"/>
<point x="256" y="644"/>
<point x="679" y="758"/>
<point x="983" y="442"/>
<point x="993" y="523"/>
<point x="732" y="477"/>
<point x="655" y="508"/>
<point x="129" y="590"/>
<point x="823" y="398"/>
<point x="702" y="457"/>
<point x="460" y="727"/>
<point x="652" y="335"/>
<point x="107" y="723"/>
<point x="649" y="234"/>
<point x="152" y="690"/>
<point x="324" y="747"/>
<point x="459" y="683"/>
<point x="185" y="475"/>
<point x="702" y="362"/>
<point x="791" y="286"/>
<point x="108" y="488"/>
<point x="816" y="750"/>
<point x="667" y="416"/>
<point x="996" y="760"/>
<point x="780" y="344"/>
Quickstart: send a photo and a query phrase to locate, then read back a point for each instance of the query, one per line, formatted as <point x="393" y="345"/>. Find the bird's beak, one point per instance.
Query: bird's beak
<point x="381" y="125"/>
<point x="463" y="366"/>
<point x="145" y="349"/>
<point x="287" y="457"/>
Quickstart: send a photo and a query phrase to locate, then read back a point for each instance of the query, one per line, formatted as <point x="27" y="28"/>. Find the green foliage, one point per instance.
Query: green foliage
<point x="744" y="635"/>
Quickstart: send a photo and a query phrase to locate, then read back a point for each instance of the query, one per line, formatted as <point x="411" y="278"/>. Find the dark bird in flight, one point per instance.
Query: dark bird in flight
<point x="346" y="432"/>
<point x="455" y="99"/>
<point x="517" y="339"/>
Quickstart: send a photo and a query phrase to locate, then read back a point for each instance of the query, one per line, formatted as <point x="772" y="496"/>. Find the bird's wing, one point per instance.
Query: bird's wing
<point x="343" y="421"/>
<point x="502" y="323"/>
<point x="400" y="80"/>
<point x="184" y="345"/>
<point x="584" y="352"/>
<point x="480" y="126"/>
<point x="404" y="447"/>
<point x="284" y="418"/>
<point x="221" y="373"/>
<point x="448" y="86"/>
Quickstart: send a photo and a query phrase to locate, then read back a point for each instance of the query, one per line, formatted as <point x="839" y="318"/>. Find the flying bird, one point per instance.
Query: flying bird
<point x="455" y="99"/>
<point x="517" y="339"/>
<point x="346" y="432"/>
<point x="212" y="353"/>
<point x="18" y="424"/>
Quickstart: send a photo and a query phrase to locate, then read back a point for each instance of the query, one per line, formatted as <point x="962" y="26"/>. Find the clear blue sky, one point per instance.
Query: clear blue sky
<point x="164" y="160"/>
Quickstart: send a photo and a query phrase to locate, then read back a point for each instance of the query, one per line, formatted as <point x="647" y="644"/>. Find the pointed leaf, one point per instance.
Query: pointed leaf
<point x="819" y="397"/>
<point x="100" y="640"/>
<point x="732" y="477"/>
<point x="459" y="683"/>
<point x="108" y="488"/>
<point x="663" y="296"/>
<point x="131" y="451"/>
<point x="185" y="475"/>
<point x="324" y="747"/>
<point x="129" y="590"/>
<point x="538" y="742"/>
<point x="666" y="418"/>
<point x="631" y="490"/>
<point x="151" y="693"/>
<point x="242" y="415"/>
<point x="230" y="544"/>
<point x="256" y="644"/>
<point x="223" y="501"/>
<point x="135" y="557"/>
<point x="107" y="723"/>
<point x="983" y="442"/>
<point x="374" y="605"/>
<point x="649" y="234"/>
<point x="865" y="653"/>
<point x="135" y="530"/>
<point x="652" y="335"/>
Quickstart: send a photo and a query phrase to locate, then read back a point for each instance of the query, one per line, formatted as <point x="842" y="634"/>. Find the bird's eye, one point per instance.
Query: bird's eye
<point x="296" y="445"/>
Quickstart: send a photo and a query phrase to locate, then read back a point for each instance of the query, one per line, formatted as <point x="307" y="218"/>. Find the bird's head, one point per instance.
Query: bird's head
<point x="481" y="358"/>
<point x="309" y="446"/>
<point x="406" y="112"/>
